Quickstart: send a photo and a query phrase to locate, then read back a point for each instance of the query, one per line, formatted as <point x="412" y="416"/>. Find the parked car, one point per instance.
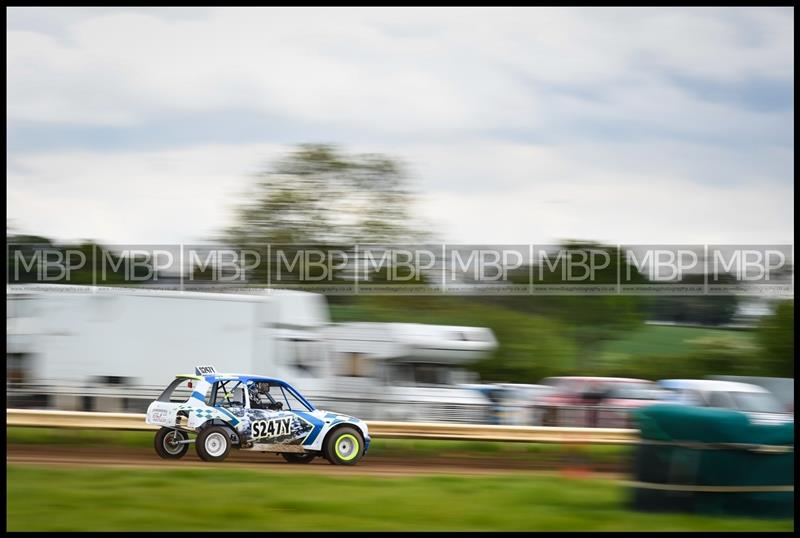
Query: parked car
<point x="519" y="403"/>
<point x="780" y="387"/>
<point x="756" y="402"/>
<point x="633" y="395"/>
<point x="512" y="403"/>
<point x="250" y="412"/>
<point x="594" y="401"/>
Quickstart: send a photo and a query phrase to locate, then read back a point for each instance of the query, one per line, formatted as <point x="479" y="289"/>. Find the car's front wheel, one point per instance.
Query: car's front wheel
<point x="213" y="444"/>
<point x="298" y="457"/>
<point x="168" y="443"/>
<point x="344" y="446"/>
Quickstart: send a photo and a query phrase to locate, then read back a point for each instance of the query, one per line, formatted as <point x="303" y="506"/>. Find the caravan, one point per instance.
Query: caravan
<point x="113" y="349"/>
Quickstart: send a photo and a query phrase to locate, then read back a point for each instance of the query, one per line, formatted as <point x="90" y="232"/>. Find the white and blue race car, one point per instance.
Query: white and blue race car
<point x="250" y="412"/>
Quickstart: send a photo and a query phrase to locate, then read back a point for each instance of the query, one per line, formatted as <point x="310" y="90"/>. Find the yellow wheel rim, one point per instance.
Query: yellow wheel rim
<point x="346" y="447"/>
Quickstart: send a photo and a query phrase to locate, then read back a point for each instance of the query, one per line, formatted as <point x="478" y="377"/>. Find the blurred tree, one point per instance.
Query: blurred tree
<point x="588" y="319"/>
<point x="320" y="195"/>
<point x="715" y="355"/>
<point x="776" y="336"/>
<point x="701" y="309"/>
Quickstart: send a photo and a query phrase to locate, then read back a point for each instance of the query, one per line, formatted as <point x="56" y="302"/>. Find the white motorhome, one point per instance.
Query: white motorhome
<point x="412" y="369"/>
<point x="113" y="349"/>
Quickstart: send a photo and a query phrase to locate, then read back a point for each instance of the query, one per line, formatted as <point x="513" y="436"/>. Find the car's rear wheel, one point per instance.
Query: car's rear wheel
<point x="344" y="446"/>
<point x="213" y="444"/>
<point x="298" y="457"/>
<point x="168" y="445"/>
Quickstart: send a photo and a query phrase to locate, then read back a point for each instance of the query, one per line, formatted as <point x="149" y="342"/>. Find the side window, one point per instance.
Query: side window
<point x="356" y="365"/>
<point x="228" y="394"/>
<point x="178" y="391"/>
<point x="261" y="395"/>
<point x="694" y="398"/>
<point x="274" y="397"/>
<point x="720" y="399"/>
<point x="430" y="374"/>
<point x="402" y="374"/>
<point x="305" y="355"/>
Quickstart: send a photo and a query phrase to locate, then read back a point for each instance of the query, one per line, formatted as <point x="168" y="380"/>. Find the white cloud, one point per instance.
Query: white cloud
<point x="167" y="196"/>
<point x="343" y="65"/>
<point x="614" y="210"/>
<point x="498" y="193"/>
<point x="565" y="122"/>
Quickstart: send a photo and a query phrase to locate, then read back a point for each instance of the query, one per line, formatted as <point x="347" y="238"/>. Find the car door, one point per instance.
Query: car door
<point x="230" y="398"/>
<point x="272" y="420"/>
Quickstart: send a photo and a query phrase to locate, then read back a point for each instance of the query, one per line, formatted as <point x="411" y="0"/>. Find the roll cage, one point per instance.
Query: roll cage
<point x="231" y="382"/>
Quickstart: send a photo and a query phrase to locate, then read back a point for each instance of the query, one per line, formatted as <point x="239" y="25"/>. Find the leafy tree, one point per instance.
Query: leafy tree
<point x="529" y="348"/>
<point x="588" y="320"/>
<point x="318" y="194"/>
<point x="776" y="336"/>
<point x="702" y="309"/>
<point x="715" y="355"/>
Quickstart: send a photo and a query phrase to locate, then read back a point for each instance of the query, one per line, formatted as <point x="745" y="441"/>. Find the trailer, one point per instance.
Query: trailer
<point x="114" y="349"/>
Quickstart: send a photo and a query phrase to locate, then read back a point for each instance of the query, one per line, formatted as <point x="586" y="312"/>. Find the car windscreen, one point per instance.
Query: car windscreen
<point x="756" y="402"/>
<point x="564" y="385"/>
<point x="635" y="391"/>
<point x="289" y="400"/>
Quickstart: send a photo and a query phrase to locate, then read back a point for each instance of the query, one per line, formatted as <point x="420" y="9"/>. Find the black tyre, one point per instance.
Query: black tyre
<point x="213" y="443"/>
<point x="167" y="446"/>
<point x="298" y="457"/>
<point x="344" y="446"/>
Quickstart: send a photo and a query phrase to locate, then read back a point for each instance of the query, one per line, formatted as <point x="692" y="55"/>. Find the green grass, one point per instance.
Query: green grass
<point x="379" y="447"/>
<point x="59" y="499"/>
<point x="654" y="340"/>
<point x="77" y="437"/>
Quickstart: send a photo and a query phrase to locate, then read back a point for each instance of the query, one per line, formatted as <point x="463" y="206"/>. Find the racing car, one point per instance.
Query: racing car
<point x="250" y="412"/>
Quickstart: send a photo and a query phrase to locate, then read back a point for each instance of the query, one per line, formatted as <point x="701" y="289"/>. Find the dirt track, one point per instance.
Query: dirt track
<point x="370" y="465"/>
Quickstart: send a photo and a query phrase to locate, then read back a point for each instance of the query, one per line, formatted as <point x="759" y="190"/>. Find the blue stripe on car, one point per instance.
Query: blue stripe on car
<point x="315" y="422"/>
<point x="234" y="420"/>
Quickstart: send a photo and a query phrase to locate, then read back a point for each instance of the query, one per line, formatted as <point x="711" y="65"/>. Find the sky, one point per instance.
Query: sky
<point x="633" y="126"/>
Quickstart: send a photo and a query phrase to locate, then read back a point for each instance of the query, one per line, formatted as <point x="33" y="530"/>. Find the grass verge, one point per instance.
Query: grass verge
<point x="48" y="499"/>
